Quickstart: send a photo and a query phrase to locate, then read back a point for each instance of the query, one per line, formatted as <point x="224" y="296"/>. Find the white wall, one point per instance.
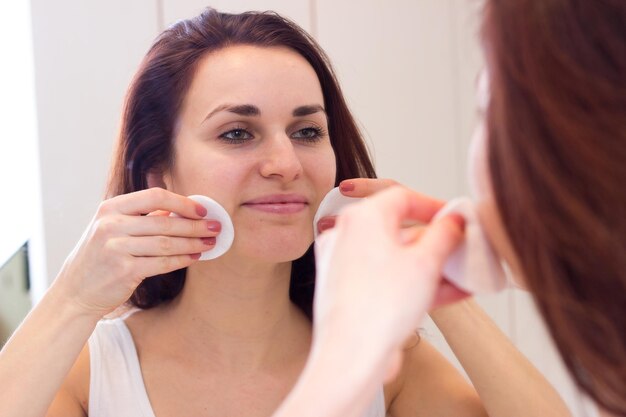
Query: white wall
<point x="20" y="205"/>
<point x="407" y="68"/>
<point x="85" y="55"/>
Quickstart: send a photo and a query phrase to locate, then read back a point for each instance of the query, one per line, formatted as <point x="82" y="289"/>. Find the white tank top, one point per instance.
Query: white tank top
<point x="116" y="386"/>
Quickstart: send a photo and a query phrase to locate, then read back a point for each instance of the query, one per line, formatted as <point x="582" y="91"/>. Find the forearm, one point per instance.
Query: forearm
<point x="339" y="380"/>
<point x="508" y="384"/>
<point x="35" y="361"/>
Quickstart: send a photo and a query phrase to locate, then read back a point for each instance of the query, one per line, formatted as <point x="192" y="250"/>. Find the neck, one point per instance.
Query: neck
<point x="238" y="315"/>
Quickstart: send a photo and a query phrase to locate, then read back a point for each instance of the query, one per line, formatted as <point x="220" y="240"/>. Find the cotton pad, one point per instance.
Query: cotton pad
<point x="473" y="267"/>
<point x="331" y="205"/>
<point x="215" y="211"/>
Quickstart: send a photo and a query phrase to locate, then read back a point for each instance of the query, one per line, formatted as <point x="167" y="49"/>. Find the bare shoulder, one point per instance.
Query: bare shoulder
<point x="72" y="399"/>
<point x="429" y="385"/>
<point x="140" y="321"/>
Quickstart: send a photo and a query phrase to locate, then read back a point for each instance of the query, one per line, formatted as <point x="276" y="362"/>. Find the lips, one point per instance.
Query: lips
<point x="278" y="203"/>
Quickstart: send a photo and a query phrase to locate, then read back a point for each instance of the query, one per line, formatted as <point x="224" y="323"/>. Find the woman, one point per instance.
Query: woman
<point x="244" y="109"/>
<point x="548" y="180"/>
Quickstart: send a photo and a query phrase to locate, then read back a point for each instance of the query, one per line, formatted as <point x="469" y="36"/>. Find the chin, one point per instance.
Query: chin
<point x="275" y="250"/>
<point x="273" y="244"/>
<point x="281" y="253"/>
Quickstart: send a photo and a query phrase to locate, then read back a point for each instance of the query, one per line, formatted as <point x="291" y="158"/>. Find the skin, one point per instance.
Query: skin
<point x="508" y="386"/>
<point x="233" y="331"/>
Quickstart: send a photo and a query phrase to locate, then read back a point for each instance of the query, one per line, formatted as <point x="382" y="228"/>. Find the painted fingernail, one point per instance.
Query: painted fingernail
<point x="214" y="226"/>
<point x="346" y="186"/>
<point x="201" y="210"/>
<point x="209" y="241"/>
<point x="458" y="219"/>
<point x="195" y="256"/>
<point x="325" y="223"/>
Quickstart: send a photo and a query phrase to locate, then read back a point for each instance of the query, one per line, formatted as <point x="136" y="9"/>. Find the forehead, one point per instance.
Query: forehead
<point x="264" y="76"/>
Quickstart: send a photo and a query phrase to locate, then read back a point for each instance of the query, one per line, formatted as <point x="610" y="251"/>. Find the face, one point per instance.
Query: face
<point x="253" y="135"/>
<point x="481" y="187"/>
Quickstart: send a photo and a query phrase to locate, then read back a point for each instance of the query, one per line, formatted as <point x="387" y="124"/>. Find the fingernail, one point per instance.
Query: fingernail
<point x="325" y="224"/>
<point x="209" y="241"/>
<point x="458" y="219"/>
<point x="201" y="210"/>
<point x="214" y="226"/>
<point x="346" y="186"/>
<point x="195" y="256"/>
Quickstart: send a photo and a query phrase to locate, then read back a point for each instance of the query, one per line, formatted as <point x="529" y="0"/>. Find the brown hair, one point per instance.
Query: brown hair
<point x="557" y="158"/>
<point x="154" y="100"/>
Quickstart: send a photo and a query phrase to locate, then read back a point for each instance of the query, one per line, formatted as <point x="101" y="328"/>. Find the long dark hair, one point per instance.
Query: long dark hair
<point x="154" y="100"/>
<point x="557" y="159"/>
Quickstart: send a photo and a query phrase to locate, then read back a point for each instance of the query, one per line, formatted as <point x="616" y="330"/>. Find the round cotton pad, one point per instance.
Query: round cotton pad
<point x="331" y="205"/>
<point x="473" y="266"/>
<point x="215" y="211"/>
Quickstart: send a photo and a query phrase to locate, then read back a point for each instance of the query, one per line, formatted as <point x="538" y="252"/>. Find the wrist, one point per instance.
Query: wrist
<point x="450" y="312"/>
<point x="68" y="307"/>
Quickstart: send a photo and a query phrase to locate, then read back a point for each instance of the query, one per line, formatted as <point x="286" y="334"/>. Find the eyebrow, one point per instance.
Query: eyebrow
<point x="308" y="110"/>
<point x="252" y="110"/>
<point x="240" y="109"/>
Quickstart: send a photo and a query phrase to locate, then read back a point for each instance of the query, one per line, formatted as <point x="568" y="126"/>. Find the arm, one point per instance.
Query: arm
<point x="430" y="386"/>
<point x="508" y="384"/>
<point x="364" y="309"/>
<point x="34" y="362"/>
<point x="119" y="249"/>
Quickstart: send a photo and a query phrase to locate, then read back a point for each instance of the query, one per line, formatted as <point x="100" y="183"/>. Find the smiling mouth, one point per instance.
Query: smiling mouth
<point x="287" y="207"/>
<point x="278" y="204"/>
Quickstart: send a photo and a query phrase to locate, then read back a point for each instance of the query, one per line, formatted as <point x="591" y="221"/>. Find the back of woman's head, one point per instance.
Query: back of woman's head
<point x="557" y="157"/>
<point x="154" y="100"/>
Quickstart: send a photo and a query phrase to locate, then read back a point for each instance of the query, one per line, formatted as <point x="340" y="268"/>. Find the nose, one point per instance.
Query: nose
<point x="280" y="159"/>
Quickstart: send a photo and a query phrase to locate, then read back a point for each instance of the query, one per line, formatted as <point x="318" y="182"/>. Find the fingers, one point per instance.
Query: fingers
<point x="326" y="223"/>
<point x="170" y="226"/>
<point x="448" y="294"/>
<point x="150" y="200"/>
<point x="163" y="245"/>
<point x="364" y="187"/>
<point x="151" y="266"/>
<point x="397" y="206"/>
<point x="437" y="243"/>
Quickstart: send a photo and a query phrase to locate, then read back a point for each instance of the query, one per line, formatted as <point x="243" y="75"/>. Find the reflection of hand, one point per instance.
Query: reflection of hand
<point x="358" y="188"/>
<point x="428" y="206"/>
<point x="122" y="246"/>
<point x="374" y="285"/>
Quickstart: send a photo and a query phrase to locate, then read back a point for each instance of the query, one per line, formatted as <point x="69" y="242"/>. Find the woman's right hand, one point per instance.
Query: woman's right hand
<point x="122" y="246"/>
<point x="373" y="284"/>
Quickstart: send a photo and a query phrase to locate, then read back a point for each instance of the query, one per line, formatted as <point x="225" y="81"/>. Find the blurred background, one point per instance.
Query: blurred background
<point x="407" y="67"/>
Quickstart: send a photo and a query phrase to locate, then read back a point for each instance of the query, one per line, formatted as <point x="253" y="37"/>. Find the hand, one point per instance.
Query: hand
<point x="122" y="246"/>
<point x="373" y="286"/>
<point x="428" y="206"/>
<point x="360" y="188"/>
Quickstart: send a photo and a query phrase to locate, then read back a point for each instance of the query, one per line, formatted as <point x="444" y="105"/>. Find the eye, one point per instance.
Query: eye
<point x="236" y="135"/>
<point x="309" y="134"/>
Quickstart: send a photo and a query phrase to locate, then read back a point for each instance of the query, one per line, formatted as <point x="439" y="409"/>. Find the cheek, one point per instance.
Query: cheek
<point x="484" y="200"/>
<point x="322" y="169"/>
<point x="207" y="175"/>
<point x="477" y="165"/>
